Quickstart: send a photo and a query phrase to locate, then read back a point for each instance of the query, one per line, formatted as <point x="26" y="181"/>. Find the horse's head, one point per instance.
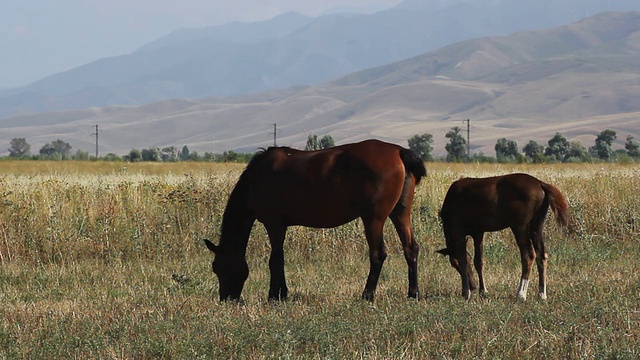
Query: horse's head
<point x="232" y="271"/>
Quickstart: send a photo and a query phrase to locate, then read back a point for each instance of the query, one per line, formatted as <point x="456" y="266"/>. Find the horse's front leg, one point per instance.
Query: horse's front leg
<point x="277" y="285"/>
<point x="465" y="274"/>
<point x="478" y="260"/>
<point x="464" y="268"/>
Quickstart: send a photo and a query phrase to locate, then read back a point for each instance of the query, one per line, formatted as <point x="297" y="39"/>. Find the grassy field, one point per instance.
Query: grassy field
<point x="104" y="261"/>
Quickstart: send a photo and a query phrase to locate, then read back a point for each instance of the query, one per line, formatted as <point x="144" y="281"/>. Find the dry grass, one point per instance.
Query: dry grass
<point x="99" y="261"/>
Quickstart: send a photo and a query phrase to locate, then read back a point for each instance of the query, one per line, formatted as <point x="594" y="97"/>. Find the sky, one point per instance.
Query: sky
<point x="39" y="38"/>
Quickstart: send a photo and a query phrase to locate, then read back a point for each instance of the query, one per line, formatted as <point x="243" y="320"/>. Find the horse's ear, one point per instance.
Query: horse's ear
<point x="211" y="246"/>
<point x="444" y="251"/>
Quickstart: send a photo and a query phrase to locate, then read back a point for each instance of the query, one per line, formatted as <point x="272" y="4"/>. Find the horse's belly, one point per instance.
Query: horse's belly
<point x="319" y="220"/>
<point x="310" y="215"/>
<point x="487" y="225"/>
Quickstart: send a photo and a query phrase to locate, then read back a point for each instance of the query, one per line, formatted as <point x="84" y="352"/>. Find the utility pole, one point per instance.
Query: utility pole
<point x="274" y="134"/>
<point x="468" y="141"/>
<point x="96" y="134"/>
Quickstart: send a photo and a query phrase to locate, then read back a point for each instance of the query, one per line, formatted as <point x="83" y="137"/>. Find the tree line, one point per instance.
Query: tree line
<point x="558" y="149"/>
<point x="19" y="148"/>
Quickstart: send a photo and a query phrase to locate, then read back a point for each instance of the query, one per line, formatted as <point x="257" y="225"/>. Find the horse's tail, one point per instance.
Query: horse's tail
<point x="413" y="164"/>
<point x="558" y="203"/>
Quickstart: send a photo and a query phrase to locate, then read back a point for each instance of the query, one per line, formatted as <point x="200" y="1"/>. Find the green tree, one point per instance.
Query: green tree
<point x="534" y="151"/>
<point x="229" y="156"/>
<point x="457" y="146"/>
<point x="19" y="147"/>
<point x="56" y="149"/>
<point x="602" y="148"/>
<point x="169" y="153"/>
<point x="558" y="147"/>
<point x="313" y="143"/>
<point x="151" y="154"/>
<point x="185" y="154"/>
<point x="327" y="142"/>
<point x="209" y="156"/>
<point x="194" y="156"/>
<point x="112" y="157"/>
<point x="480" y="157"/>
<point x="577" y="152"/>
<point x="632" y="146"/>
<point x="506" y="150"/>
<point x="81" y="155"/>
<point x="135" y="155"/>
<point x="422" y="145"/>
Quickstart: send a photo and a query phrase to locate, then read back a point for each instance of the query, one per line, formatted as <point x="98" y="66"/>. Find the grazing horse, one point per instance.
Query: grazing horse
<point x="516" y="201"/>
<point x="280" y="187"/>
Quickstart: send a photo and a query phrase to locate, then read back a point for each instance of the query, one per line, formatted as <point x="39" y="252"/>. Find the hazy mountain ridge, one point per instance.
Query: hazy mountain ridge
<point x="236" y="32"/>
<point x="291" y="49"/>
<point x="577" y="79"/>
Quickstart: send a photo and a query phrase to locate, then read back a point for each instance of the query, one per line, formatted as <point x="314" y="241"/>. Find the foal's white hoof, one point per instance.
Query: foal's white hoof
<point x="542" y="296"/>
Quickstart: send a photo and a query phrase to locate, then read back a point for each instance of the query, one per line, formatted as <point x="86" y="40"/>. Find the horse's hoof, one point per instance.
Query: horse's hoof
<point x="367" y="295"/>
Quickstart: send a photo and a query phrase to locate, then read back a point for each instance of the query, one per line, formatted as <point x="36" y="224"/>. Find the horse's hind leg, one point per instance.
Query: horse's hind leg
<point x="541" y="260"/>
<point x="527" y="255"/>
<point x="278" y="285"/>
<point x="478" y="262"/>
<point x="377" y="254"/>
<point x="401" y="218"/>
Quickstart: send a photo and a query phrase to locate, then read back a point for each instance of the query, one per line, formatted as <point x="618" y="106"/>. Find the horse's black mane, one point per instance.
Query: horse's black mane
<point x="258" y="162"/>
<point x="261" y="155"/>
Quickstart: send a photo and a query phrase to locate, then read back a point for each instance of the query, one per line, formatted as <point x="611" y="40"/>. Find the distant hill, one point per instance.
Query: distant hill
<point x="577" y="79"/>
<point x="288" y="50"/>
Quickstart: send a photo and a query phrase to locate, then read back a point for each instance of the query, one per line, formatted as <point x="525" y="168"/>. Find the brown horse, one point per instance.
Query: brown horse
<point x="517" y="201"/>
<point x="280" y="187"/>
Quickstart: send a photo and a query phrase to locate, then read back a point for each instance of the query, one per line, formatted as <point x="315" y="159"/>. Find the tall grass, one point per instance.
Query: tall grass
<point x="107" y="261"/>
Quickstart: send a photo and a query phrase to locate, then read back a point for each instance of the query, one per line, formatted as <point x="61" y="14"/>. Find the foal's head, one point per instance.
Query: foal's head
<point x="452" y="259"/>
<point x="232" y="271"/>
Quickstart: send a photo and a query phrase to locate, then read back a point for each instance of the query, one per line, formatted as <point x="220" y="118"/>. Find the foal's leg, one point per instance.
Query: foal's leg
<point x="478" y="262"/>
<point x="278" y="285"/>
<point x="377" y="254"/>
<point x="401" y="218"/>
<point x="527" y="255"/>
<point x="541" y="260"/>
<point x="465" y="269"/>
<point x="459" y="257"/>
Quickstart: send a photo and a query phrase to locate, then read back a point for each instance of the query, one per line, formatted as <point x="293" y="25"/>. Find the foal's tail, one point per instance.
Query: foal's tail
<point x="558" y="203"/>
<point x="413" y="164"/>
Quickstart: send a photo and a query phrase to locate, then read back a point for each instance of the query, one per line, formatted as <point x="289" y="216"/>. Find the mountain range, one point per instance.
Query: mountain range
<point x="578" y="79"/>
